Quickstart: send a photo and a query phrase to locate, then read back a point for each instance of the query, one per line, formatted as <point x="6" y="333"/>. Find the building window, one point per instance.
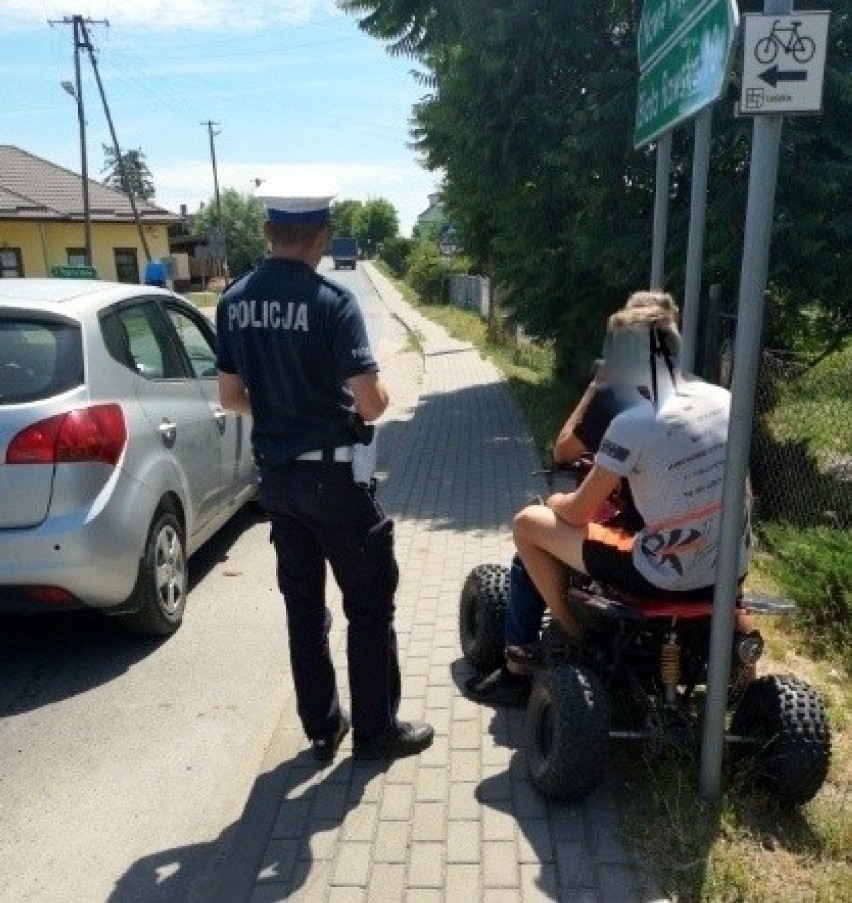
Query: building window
<point x="126" y="265"/>
<point x="11" y="263"/>
<point x="76" y="257"/>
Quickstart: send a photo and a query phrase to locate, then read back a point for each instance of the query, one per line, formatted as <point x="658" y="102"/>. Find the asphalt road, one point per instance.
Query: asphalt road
<point x="116" y="751"/>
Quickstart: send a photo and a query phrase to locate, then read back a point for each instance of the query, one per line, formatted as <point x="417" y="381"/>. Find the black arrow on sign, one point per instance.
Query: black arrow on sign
<point x="773" y="75"/>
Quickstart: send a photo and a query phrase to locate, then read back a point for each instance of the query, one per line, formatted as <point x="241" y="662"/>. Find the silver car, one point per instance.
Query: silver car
<point x="116" y="460"/>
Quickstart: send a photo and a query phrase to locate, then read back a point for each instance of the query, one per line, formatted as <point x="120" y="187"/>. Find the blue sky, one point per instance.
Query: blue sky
<point x="302" y="97"/>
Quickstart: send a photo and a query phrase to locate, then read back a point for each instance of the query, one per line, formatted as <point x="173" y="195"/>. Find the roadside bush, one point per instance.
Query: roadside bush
<point x="396" y="252"/>
<point x="814" y="567"/>
<point x="428" y="275"/>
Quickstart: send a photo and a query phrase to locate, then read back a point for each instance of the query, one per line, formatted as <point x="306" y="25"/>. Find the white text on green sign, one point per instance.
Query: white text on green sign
<point x="663" y="22"/>
<point x="685" y="74"/>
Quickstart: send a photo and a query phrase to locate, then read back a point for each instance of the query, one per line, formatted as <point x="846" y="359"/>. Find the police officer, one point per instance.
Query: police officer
<point x="293" y="352"/>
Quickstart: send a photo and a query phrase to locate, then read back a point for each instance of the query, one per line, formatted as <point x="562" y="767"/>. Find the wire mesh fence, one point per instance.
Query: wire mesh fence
<point x="801" y="449"/>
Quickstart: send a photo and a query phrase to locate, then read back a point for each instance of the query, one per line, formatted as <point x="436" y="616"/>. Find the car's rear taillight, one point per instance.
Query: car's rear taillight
<point x="97" y="433"/>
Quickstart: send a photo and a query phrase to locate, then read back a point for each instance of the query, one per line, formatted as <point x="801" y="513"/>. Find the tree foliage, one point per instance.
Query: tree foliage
<point x="373" y="222"/>
<point x="530" y="115"/>
<point x="241" y="228"/>
<point x="136" y="178"/>
<point x="396" y="253"/>
<point x="343" y="217"/>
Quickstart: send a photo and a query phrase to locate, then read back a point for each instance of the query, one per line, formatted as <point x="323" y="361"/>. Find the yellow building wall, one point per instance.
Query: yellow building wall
<point x="44" y="245"/>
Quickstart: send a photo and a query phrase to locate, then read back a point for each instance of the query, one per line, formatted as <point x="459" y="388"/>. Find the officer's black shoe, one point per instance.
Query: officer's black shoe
<point x="408" y="739"/>
<point x="325" y="748"/>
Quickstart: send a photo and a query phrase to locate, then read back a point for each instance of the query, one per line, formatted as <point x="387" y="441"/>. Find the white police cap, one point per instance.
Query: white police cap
<point x="293" y="210"/>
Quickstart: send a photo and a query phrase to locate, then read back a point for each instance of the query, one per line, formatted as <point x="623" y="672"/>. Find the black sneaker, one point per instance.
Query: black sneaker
<point x="325" y="748"/>
<point x="501" y="687"/>
<point x="408" y="739"/>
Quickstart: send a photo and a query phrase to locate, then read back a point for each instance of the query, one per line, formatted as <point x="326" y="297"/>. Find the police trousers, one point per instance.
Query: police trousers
<point x="319" y="514"/>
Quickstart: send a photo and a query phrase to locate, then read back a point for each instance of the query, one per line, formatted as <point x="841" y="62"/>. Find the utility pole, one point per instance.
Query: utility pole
<point x="81" y="40"/>
<point x="221" y="231"/>
<point x="119" y="160"/>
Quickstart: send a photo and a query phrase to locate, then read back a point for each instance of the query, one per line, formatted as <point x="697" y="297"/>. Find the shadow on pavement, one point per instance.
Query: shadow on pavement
<point x="45" y="658"/>
<point x="50" y="657"/>
<point x="461" y="446"/>
<point x="282" y="839"/>
<point x="217" y="549"/>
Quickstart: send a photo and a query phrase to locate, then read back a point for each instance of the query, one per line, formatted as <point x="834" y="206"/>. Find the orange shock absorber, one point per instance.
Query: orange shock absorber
<point x="670" y="666"/>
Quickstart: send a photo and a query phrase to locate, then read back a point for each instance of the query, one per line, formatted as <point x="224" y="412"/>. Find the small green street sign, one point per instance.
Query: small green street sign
<point x="684" y="51"/>
<point x="70" y="272"/>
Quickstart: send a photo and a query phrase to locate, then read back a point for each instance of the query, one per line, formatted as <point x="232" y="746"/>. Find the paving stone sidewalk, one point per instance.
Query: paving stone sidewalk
<point x="461" y="821"/>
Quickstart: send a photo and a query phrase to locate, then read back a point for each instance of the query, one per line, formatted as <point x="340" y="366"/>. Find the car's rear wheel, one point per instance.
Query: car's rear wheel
<point x="163" y="580"/>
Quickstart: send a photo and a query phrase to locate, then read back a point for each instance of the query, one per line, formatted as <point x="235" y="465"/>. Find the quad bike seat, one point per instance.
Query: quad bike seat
<point x="626" y="607"/>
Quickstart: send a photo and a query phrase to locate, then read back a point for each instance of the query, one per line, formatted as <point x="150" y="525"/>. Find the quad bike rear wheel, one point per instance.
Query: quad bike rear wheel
<point x="567" y="732"/>
<point x="787" y="720"/>
<point x="482" y="615"/>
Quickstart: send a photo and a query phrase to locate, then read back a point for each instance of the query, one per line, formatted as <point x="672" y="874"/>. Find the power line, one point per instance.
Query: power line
<point x="119" y="159"/>
<point x="82" y="42"/>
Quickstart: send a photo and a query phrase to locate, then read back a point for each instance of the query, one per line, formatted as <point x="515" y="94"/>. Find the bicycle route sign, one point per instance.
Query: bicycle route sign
<point x="783" y="63"/>
<point x="684" y="50"/>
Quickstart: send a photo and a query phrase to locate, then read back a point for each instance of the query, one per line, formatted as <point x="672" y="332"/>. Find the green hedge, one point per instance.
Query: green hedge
<point x="814" y="567"/>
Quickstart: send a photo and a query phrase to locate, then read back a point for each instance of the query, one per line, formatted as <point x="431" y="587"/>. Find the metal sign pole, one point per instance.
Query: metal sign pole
<point x="695" y="243"/>
<point x="661" y="209"/>
<point x="766" y="139"/>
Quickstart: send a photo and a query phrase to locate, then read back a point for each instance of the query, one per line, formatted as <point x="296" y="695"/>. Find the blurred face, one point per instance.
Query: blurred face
<point x="625" y="358"/>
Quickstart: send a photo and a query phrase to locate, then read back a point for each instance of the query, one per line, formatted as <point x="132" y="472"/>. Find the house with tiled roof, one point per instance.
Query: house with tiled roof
<point x="42" y="223"/>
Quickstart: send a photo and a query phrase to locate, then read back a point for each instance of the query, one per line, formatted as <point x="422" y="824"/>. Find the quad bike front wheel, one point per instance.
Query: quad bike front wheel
<point x="482" y="615"/>
<point x="787" y="737"/>
<point x="567" y="732"/>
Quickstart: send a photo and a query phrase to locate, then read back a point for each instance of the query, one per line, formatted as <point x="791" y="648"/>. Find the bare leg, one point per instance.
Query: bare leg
<point x="545" y="543"/>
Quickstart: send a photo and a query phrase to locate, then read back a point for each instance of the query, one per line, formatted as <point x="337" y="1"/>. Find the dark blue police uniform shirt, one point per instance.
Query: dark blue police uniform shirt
<point x="295" y="338"/>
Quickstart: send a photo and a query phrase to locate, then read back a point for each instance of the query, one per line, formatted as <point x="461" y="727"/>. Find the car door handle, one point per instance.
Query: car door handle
<point x="221" y="416"/>
<point x="168" y="432"/>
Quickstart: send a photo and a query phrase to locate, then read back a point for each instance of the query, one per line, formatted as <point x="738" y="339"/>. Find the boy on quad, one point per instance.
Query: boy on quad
<point x="662" y="436"/>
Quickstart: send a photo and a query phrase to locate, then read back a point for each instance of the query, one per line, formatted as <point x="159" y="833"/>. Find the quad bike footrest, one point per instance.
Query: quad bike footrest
<point x="762" y="604"/>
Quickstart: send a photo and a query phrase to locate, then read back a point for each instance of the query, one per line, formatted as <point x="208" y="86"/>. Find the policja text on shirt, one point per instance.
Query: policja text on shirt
<point x="268" y="314"/>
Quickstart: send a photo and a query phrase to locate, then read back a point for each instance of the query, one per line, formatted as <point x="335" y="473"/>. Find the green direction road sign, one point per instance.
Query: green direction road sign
<point x="69" y="272"/>
<point x="684" y="51"/>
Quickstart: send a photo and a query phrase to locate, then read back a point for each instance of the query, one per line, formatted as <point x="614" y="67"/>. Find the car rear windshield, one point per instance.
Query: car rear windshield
<point x="38" y="358"/>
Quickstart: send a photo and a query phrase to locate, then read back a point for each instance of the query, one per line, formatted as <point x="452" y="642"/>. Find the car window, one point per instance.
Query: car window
<point x="199" y="346"/>
<point x="38" y="358"/>
<point x="152" y="352"/>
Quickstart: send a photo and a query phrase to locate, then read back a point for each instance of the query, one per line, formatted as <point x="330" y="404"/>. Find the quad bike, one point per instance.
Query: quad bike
<point x="639" y="673"/>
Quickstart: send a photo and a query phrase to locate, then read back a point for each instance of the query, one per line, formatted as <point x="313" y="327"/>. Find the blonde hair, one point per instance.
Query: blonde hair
<point x="661" y="301"/>
<point x="648" y="310"/>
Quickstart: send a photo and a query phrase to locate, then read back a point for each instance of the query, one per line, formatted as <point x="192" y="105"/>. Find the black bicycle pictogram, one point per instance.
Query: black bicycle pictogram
<point x="788" y="39"/>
